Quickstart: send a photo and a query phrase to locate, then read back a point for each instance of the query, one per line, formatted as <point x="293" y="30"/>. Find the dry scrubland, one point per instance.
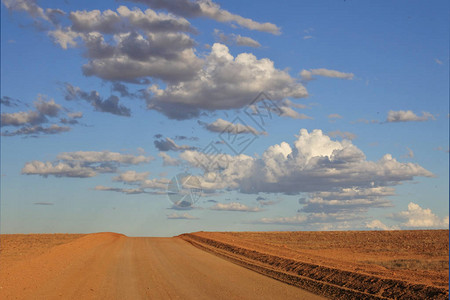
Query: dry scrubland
<point x="367" y="264"/>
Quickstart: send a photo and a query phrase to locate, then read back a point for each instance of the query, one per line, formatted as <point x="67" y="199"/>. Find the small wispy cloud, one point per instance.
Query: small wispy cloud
<point x="408" y="154"/>
<point x="308" y="74"/>
<point x="236" y="39"/>
<point x="235" y="206"/>
<point x="408" y="116"/>
<point x="308" y="33"/>
<point x="184" y="216"/>
<point x="343" y="134"/>
<point x="295" y="220"/>
<point x="365" y="121"/>
<point x="440" y="148"/>
<point x="121" y="190"/>
<point x="334" y="116"/>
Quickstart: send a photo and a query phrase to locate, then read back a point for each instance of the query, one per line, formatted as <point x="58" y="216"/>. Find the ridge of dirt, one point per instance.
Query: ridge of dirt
<point x="312" y="272"/>
<point x="15" y="248"/>
<point x="34" y="270"/>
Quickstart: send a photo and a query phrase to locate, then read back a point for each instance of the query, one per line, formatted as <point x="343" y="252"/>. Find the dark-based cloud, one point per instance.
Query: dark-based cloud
<point x="339" y="181"/>
<point x="234" y="127"/>
<point x="168" y="144"/>
<point x="32" y="122"/>
<point x="37" y="129"/>
<point x="235" y="39"/>
<point x="183" y="137"/>
<point x="126" y="20"/>
<point x="72" y="118"/>
<point x="48" y="108"/>
<point x="131" y="45"/>
<point x="347" y="199"/>
<point x="315" y="163"/>
<point x="208" y="9"/>
<point x="223" y="84"/>
<point x="109" y="105"/>
<point x="84" y="164"/>
<point x="43" y="110"/>
<point x="136" y="46"/>
<point x="10" y="102"/>
<point x="122" y="89"/>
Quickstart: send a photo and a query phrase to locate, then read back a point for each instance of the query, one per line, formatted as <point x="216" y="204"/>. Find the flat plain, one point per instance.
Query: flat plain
<point x="114" y="266"/>
<point x="226" y="265"/>
<point x="404" y="264"/>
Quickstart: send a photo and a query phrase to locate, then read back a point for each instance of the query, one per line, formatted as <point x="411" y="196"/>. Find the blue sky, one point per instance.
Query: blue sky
<point x="104" y="102"/>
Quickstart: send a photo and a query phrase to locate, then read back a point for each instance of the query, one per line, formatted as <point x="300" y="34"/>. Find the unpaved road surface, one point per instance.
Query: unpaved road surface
<point x="113" y="266"/>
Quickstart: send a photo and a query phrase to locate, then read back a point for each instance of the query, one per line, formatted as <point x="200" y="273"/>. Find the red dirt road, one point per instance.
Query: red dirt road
<point x="113" y="266"/>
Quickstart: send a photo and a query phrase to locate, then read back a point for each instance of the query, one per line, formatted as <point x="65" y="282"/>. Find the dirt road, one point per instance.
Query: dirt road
<point x="113" y="266"/>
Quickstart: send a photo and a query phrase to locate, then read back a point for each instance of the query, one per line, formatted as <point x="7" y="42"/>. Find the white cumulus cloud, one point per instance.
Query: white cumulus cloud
<point x="224" y="82"/>
<point x="378" y="225"/>
<point x="418" y="217"/>
<point x="313" y="163"/>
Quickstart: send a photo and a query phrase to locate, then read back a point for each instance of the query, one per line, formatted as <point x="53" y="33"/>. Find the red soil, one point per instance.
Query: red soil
<point x="380" y="264"/>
